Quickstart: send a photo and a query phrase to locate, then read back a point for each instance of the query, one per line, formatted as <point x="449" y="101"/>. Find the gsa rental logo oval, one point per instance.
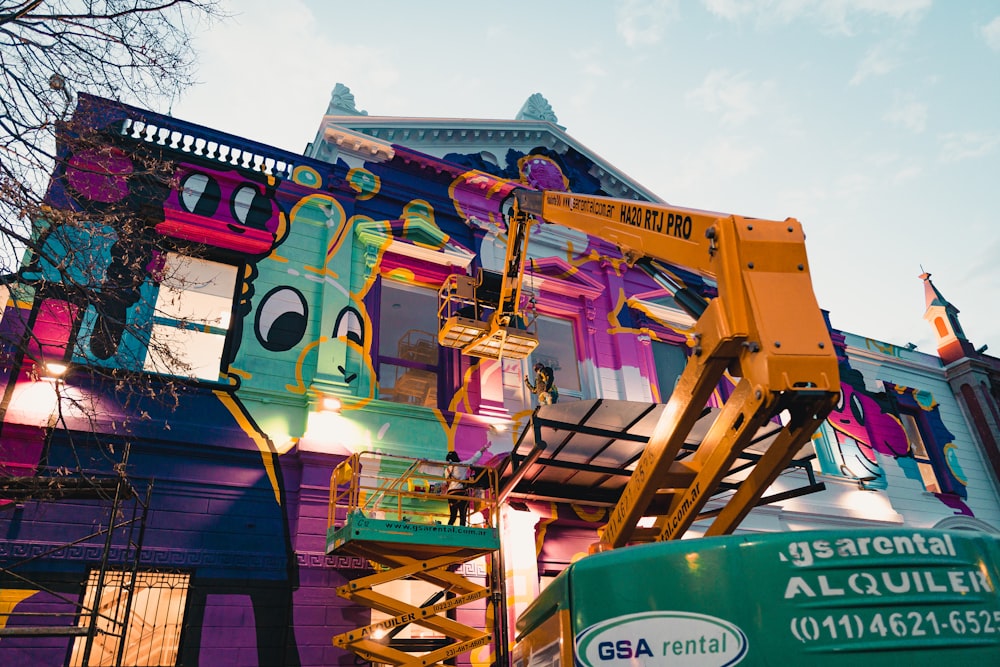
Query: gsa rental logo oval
<point x="656" y="638"/>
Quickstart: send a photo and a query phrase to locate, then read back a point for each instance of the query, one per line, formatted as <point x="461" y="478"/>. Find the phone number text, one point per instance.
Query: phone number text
<point x="898" y="624"/>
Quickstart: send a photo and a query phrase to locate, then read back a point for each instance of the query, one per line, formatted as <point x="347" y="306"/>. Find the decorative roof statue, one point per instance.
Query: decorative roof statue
<point x="537" y="108"/>
<point x="342" y="103"/>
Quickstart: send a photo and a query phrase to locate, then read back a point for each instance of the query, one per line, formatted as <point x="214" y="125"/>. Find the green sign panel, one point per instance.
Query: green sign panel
<point x="875" y="597"/>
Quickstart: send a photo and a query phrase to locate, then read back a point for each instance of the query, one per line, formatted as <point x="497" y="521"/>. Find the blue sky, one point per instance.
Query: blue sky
<point x="874" y="122"/>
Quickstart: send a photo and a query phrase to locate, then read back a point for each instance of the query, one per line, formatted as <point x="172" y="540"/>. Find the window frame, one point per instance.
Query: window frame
<point x="162" y="320"/>
<point x="442" y="370"/>
<point x="105" y="647"/>
<point x="574" y="320"/>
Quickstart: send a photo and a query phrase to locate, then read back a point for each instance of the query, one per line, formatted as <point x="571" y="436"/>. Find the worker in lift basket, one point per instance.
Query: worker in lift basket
<point x="544" y="385"/>
<point x="457" y="476"/>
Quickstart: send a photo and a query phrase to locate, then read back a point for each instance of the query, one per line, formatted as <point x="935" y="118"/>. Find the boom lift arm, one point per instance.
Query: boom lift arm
<point x="504" y="332"/>
<point x="765" y="328"/>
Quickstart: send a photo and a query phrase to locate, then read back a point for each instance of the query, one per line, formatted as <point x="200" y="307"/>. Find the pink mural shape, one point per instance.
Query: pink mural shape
<point x="100" y="175"/>
<point x="860" y="417"/>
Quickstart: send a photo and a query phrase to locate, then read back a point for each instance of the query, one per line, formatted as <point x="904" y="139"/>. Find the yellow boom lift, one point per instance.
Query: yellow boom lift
<point x="764" y="328"/>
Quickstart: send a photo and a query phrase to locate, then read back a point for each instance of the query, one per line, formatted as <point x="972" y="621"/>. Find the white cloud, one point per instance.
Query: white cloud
<point x="642" y="22"/>
<point x="879" y="61"/>
<point x="263" y="65"/>
<point x="851" y="187"/>
<point x="720" y="160"/>
<point x="896" y="168"/>
<point x="907" y="113"/>
<point x="835" y="15"/>
<point x="590" y="62"/>
<point x="958" y="146"/>
<point x="734" y="97"/>
<point x="730" y="9"/>
<point x="991" y="33"/>
<point x="906" y="174"/>
<point x="840" y="12"/>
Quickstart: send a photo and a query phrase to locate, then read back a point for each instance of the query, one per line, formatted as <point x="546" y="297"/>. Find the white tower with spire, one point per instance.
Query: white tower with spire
<point x="952" y="344"/>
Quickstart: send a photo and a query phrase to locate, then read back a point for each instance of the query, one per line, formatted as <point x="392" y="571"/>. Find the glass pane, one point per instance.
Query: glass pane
<point x="153" y="631"/>
<point x="196" y="291"/>
<point x="407" y="385"/>
<point x="408" y="323"/>
<point x="919" y="450"/>
<point x="186" y="352"/>
<point x="557" y="348"/>
<point x="670" y="361"/>
<point x="913" y="436"/>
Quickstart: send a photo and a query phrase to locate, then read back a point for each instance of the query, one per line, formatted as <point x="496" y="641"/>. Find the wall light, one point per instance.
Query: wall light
<point x="51" y="370"/>
<point x="330" y="404"/>
<point x="56" y="369"/>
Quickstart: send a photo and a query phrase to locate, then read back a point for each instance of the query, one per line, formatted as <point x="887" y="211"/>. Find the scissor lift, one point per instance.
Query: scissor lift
<point x="392" y="511"/>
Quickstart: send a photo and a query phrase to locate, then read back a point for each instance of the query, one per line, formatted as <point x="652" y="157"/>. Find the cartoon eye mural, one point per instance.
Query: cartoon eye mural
<point x="857" y="409"/>
<point x="250" y="208"/>
<point x="350" y="327"/>
<point x="200" y="194"/>
<point x="281" y="319"/>
<point x="252" y="222"/>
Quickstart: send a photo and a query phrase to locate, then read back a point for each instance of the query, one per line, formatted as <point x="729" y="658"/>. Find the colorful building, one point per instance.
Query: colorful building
<point x="297" y="298"/>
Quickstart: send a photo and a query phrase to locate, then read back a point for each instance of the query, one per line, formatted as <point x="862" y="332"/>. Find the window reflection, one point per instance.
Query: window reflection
<point x="408" y="348"/>
<point x="557" y="348"/>
<point x="191" y="318"/>
<point x="670" y="361"/>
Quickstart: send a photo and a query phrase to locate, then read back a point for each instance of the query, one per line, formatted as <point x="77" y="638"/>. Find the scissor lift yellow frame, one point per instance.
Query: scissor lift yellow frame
<point x="391" y="510"/>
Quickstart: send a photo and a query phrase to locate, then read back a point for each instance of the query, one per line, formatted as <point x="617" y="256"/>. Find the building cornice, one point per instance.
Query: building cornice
<point x="358" y="144"/>
<point x="473" y="136"/>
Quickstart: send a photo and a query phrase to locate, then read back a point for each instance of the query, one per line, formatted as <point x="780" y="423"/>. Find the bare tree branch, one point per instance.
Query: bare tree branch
<point x="134" y="50"/>
<point x="89" y="251"/>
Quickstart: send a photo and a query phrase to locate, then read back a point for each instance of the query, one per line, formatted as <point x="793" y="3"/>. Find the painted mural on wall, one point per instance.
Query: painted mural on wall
<point x="236" y="541"/>
<point x="900" y="424"/>
<point x="299" y="308"/>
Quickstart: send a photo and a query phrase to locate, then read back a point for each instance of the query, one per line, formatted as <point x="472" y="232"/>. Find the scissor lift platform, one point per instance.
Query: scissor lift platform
<point x="390" y="511"/>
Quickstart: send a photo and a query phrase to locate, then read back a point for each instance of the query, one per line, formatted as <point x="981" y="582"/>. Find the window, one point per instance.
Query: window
<point x="153" y="629"/>
<point x="669" y="361"/>
<point x="931" y="446"/>
<point x="941" y="327"/>
<point x="557" y="349"/>
<point x="408" y="363"/>
<point x="548" y="656"/>
<point x="191" y="317"/>
<point x="919" y="451"/>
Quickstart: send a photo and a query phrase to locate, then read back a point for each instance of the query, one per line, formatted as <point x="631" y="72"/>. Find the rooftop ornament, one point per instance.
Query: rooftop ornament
<point x="536" y="107"/>
<point x="342" y="103"/>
